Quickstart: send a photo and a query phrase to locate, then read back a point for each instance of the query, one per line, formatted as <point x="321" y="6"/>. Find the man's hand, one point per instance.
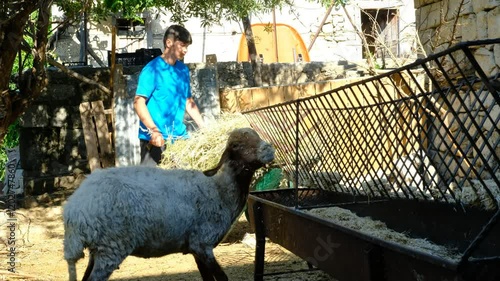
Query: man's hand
<point x="157" y="139"/>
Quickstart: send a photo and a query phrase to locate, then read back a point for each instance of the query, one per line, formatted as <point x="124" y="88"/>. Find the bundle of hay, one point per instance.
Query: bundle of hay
<point x="202" y="150"/>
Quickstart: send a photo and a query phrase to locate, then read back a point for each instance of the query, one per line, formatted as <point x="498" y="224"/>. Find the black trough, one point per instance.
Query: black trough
<point x="416" y="148"/>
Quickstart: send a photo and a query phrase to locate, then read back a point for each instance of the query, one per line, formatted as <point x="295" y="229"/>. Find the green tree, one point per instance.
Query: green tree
<point x="18" y="20"/>
<point x="25" y="29"/>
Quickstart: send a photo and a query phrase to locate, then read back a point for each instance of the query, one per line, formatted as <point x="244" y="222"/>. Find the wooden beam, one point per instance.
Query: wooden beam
<point x="90" y="136"/>
<point x="97" y="135"/>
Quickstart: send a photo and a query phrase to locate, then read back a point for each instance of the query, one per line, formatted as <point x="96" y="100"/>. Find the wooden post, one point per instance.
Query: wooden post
<point x="320" y="27"/>
<point x="96" y="134"/>
<point x="113" y="57"/>
<point x="275" y="36"/>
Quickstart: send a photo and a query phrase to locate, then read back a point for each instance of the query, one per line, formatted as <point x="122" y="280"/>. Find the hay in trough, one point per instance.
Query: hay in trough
<point x="380" y="230"/>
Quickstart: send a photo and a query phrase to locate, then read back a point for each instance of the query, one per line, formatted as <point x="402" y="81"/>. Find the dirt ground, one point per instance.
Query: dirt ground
<point x="39" y="252"/>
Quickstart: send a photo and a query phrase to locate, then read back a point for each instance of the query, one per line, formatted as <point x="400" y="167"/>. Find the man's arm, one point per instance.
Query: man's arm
<point x="194" y="112"/>
<point x="142" y="111"/>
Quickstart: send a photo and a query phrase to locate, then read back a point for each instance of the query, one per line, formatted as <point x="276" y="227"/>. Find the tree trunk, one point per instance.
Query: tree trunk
<point x="40" y="49"/>
<point x="252" y="52"/>
<point x="14" y="19"/>
<point x="33" y="81"/>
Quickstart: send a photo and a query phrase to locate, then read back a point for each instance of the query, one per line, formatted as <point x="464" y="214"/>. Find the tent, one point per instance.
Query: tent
<point x="287" y="46"/>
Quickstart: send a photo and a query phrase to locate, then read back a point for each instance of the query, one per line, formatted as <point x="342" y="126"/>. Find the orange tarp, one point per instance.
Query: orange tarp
<point x="289" y="41"/>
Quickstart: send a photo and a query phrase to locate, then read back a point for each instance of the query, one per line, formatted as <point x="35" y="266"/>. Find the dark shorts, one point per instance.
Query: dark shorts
<point x="150" y="154"/>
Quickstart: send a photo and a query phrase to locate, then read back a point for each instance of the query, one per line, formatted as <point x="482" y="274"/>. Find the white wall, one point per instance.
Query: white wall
<point x="337" y="40"/>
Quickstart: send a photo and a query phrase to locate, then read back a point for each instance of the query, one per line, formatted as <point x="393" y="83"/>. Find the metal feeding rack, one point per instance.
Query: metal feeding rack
<point x="414" y="150"/>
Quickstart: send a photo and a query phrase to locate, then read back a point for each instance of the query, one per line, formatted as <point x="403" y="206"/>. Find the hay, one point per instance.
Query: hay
<point x="379" y="229"/>
<point x="203" y="149"/>
<point x="473" y="193"/>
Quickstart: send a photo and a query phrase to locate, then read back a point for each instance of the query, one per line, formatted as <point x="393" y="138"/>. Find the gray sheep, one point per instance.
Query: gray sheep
<point x="152" y="212"/>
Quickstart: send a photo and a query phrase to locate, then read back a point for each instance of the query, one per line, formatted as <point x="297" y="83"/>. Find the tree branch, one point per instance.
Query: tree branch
<point x="252" y="51"/>
<point x="76" y="75"/>
<point x="362" y="36"/>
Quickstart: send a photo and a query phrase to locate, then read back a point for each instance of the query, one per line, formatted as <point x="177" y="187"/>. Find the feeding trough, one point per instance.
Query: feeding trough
<point x="395" y="177"/>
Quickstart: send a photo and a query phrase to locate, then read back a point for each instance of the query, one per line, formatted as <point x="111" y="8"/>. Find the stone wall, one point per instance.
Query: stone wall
<point x="239" y="100"/>
<point x="443" y="23"/>
<point x="52" y="146"/>
<point x="239" y="74"/>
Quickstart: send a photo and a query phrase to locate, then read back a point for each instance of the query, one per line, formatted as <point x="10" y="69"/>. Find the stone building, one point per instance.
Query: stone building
<point x="443" y="23"/>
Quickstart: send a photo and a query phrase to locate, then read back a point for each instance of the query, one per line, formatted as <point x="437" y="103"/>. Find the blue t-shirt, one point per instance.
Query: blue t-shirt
<point x="166" y="89"/>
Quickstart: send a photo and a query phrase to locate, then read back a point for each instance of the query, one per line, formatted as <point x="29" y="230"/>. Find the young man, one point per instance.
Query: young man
<point x="163" y="96"/>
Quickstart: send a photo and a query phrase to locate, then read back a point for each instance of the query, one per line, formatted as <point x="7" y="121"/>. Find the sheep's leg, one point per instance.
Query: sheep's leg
<point x="101" y="273"/>
<point x="104" y="266"/>
<point x="209" y="267"/>
<point x="204" y="271"/>
<point x="90" y="266"/>
<point x="72" y="270"/>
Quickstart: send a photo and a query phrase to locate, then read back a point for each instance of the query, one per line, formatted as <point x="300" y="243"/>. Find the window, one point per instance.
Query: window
<point x="381" y="29"/>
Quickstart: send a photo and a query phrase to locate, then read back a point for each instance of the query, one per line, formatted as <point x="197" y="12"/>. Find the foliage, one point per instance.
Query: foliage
<point x="11" y="140"/>
<point x="23" y="61"/>
<point x="12" y="137"/>
<point x="23" y="33"/>
<point x="209" y="11"/>
<point x="336" y="3"/>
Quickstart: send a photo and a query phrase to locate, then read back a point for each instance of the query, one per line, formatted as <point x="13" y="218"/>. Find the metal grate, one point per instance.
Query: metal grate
<point x="427" y="131"/>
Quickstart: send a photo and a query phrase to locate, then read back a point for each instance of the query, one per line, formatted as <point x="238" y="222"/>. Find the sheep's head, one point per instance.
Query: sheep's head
<point x="245" y="147"/>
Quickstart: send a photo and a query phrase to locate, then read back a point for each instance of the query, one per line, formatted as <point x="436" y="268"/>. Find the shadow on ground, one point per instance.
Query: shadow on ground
<point x="276" y="271"/>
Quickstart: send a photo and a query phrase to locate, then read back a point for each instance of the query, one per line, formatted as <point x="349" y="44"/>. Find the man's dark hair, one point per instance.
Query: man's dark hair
<point x="177" y="33"/>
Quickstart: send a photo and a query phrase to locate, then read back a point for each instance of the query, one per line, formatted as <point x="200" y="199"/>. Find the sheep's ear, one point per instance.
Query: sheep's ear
<point x="211" y="172"/>
<point x="223" y="158"/>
